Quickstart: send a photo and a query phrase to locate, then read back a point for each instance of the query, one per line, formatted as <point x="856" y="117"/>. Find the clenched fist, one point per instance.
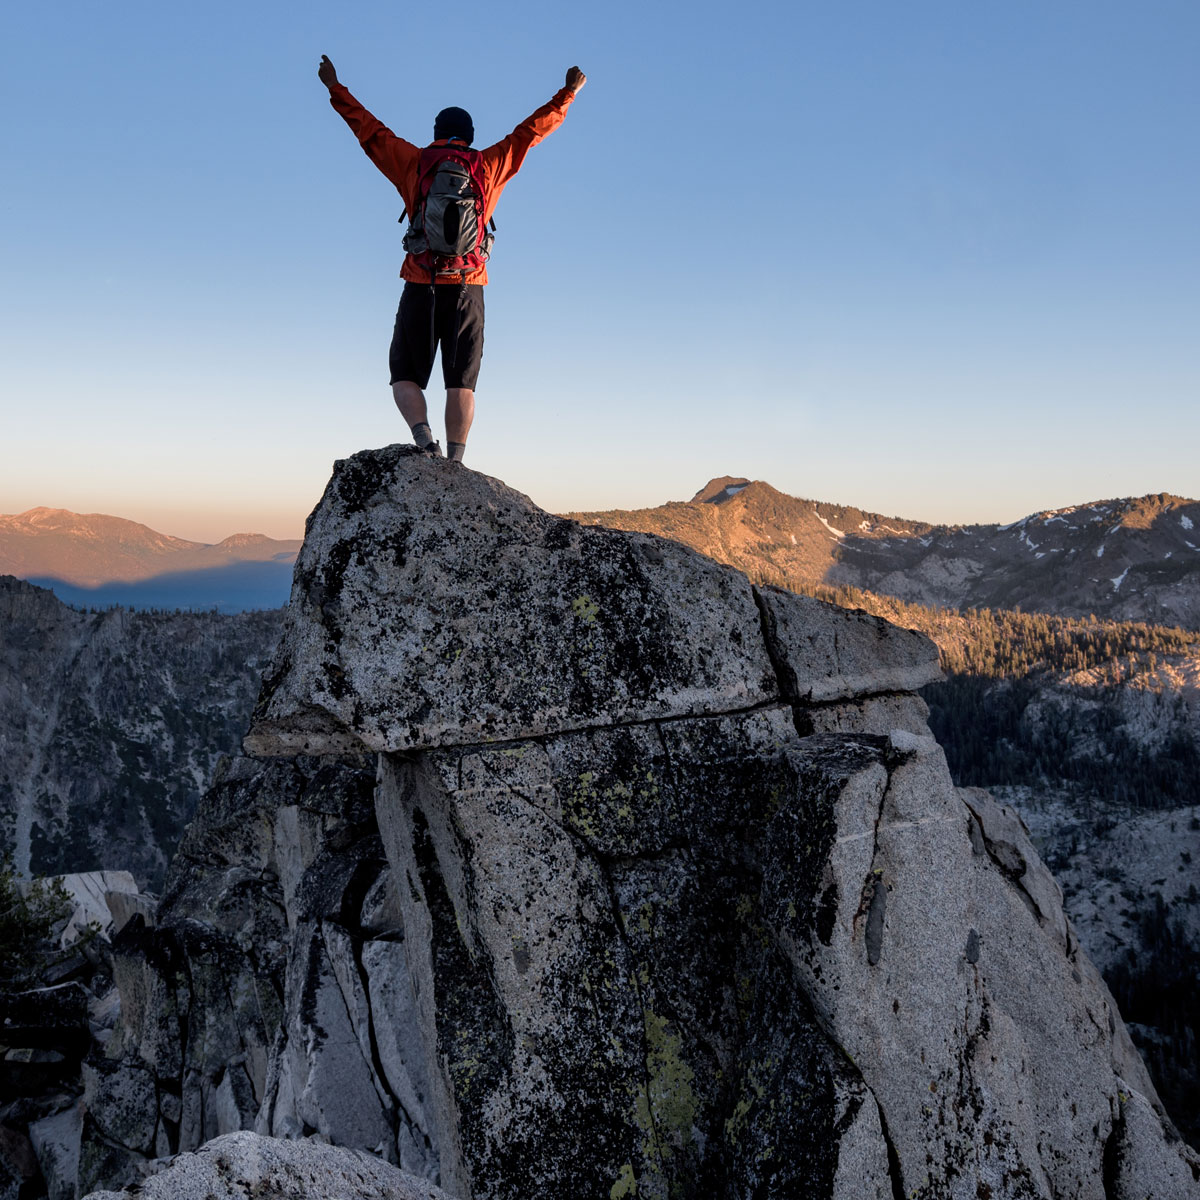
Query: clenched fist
<point x="575" y="79"/>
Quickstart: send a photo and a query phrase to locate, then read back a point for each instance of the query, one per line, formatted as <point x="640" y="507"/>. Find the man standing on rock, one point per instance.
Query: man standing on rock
<point x="450" y="192"/>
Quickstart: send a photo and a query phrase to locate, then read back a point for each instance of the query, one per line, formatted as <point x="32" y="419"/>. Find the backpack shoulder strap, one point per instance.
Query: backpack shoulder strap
<point x="427" y="165"/>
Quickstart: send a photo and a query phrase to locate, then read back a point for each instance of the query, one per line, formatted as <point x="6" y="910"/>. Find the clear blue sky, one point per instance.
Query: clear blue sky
<point x="936" y="259"/>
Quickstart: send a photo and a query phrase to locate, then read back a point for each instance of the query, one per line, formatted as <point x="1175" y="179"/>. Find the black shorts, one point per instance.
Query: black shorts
<point x="454" y="320"/>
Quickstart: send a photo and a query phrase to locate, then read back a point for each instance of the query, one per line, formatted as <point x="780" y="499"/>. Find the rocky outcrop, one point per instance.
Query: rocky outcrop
<point x="469" y="615"/>
<point x="659" y="887"/>
<point x="47" y="1032"/>
<point x="272" y="848"/>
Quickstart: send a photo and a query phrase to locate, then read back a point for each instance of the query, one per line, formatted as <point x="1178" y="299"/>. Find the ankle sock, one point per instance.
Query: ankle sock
<point x="455" y="451"/>
<point x="422" y="435"/>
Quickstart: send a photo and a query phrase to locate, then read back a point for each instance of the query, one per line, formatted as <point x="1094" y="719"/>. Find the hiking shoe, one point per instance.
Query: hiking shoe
<point x="433" y="450"/>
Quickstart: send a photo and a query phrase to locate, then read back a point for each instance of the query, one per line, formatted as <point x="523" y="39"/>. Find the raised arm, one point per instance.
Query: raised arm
<point x="503" y="160"/>
<point x="395" y="157"/>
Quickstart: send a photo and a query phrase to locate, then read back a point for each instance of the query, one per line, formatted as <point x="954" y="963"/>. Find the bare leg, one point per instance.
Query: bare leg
<point x="460" y="412"/>
<point x="410" y="400"/>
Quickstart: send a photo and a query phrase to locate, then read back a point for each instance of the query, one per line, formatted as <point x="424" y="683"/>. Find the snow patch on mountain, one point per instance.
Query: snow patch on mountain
<point x="837" y="533"/>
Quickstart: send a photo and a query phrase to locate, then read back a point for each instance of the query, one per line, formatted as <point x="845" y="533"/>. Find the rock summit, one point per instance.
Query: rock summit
<point x="575" y="865"/>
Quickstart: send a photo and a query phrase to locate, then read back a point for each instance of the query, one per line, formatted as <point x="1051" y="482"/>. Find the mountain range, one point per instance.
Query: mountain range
<point x="1128" y="559"/>
<point x="93" y="560"/>
<point x="1125" y="559"/>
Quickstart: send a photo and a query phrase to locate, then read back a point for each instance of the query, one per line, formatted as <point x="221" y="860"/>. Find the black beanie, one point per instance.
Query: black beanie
<point x="454" y="123"/>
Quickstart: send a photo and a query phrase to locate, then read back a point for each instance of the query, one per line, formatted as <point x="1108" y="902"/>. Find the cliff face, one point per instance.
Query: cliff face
<point x="111" y="725"/>
<point x="659" y="887"/>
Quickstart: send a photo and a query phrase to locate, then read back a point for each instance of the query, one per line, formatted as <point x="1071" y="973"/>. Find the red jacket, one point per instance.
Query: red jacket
<point x="397" y="159"/>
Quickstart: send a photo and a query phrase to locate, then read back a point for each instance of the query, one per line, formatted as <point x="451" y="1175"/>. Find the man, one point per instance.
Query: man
<point x="437" y="306"/>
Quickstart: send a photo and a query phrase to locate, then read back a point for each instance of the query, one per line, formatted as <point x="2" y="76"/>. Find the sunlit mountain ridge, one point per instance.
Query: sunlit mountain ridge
<point x="89" y="549"/>
<point x="1135" y="558"/>
<point x="96" y="560"/>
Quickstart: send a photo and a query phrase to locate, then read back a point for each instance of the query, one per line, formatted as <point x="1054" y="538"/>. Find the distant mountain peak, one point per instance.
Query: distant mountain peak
<point x="39" y="515"/>
<point x="716" y="491"/>
<point x="245" y="541"/>
<point x="91" y="527"/>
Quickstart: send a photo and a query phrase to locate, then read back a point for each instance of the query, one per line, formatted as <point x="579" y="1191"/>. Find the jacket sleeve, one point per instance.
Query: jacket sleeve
<point x="395" y="157"/>
<point x="503" y="160"/>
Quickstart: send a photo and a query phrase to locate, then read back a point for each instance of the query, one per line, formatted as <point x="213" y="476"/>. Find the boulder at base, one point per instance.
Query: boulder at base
<point x="246" y="1166"/>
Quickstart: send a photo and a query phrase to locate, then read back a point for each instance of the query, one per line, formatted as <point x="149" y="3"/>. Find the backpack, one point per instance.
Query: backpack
<point x="447" y="232"/>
